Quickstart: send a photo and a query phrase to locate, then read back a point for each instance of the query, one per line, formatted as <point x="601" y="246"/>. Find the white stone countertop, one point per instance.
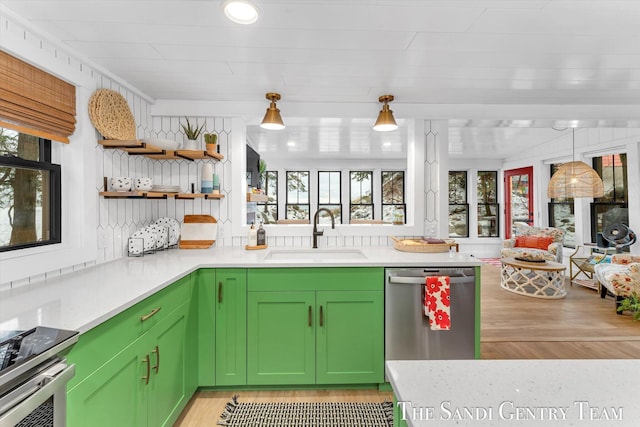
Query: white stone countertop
<point x="82" y="300"/>
<point x="517" y="392"/>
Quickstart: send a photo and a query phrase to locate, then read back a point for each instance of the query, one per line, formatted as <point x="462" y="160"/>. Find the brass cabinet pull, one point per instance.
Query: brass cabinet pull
<point x="219" y="291"/>
<point x="147" y="361"/>
<point x="156" y="351"/>
<point x="321" y="317"/>
<point x="310" y="316"/>
<point x="151" y="314"/>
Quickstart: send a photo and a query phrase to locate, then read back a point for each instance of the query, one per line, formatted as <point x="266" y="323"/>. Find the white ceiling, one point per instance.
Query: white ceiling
<point x="531" y="52"/>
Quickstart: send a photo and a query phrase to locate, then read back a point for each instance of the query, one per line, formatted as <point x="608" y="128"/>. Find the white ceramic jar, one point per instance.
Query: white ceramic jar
<point x="144" y="184"/>
<point x="121" y="183"/>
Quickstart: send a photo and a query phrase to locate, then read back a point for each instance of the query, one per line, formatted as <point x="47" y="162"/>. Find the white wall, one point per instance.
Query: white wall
<point x="78" y="158"/>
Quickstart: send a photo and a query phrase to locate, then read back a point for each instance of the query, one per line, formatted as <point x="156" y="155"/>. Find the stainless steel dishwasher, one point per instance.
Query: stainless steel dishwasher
<point x="406" y="328"/>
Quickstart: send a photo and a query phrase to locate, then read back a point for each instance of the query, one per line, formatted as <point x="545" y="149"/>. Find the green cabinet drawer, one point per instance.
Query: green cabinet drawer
<point x="316" y="279"/>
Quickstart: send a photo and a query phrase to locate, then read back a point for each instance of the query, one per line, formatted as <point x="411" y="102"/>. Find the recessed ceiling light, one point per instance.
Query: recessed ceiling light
<point x="386" y="144"/>
<point x="241" y="11"/>
<point x="291" y="144"/>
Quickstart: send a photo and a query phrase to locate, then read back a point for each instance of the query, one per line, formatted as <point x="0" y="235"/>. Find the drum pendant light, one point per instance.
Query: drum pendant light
<point x="575" y="179"/>
<point x="385" y="121"/>
<point x="272" y="119"/>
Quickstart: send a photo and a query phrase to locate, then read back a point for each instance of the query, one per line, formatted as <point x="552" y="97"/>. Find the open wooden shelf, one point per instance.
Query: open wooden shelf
<point x="156" y="195"/>
<point x="139" y="148"/>
<point x="252" y="197"/>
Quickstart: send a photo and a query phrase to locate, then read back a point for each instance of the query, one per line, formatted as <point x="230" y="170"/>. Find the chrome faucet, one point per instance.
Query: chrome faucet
<point x="317" y="233"/>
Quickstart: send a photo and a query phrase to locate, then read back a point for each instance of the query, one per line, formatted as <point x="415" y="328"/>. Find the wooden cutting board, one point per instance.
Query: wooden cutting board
<point x="198" y="232"/>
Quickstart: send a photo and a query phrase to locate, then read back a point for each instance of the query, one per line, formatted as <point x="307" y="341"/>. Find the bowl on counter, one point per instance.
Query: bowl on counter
<point x="144" y="184"/>
<point x="121" y="183"/>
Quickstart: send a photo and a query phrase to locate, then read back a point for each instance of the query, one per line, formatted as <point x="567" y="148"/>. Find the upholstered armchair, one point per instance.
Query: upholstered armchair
<point x="621" y="277"/>
<point x="534" y="242"/>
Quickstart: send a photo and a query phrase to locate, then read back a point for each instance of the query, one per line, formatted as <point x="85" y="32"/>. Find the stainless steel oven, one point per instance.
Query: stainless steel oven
<point x="33" y="377"/>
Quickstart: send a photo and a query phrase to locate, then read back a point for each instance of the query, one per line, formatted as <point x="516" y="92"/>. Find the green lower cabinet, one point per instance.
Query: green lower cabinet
<point x="222" y="326"/>
<point x="309" y="337"/>
<point x="280" y="338"/>
<point x="350" y="337"/>
<point x="231" y="327"/>
<point x="143" y="385"/>
<point x="114" y="395"/>
<point x="168" y="382"/>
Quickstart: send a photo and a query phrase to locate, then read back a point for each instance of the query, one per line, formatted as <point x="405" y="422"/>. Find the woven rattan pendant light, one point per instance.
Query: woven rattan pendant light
<point x="575" y="179"/>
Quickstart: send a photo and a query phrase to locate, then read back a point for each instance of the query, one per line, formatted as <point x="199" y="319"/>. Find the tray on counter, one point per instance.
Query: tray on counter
<point x="419" y="244"/>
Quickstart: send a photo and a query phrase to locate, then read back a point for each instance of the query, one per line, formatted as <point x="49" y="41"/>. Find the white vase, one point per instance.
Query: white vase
<point x="191" y="144"/>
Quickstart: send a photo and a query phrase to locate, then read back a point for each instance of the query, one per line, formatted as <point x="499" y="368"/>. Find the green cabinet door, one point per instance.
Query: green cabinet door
<point x="350" y="337"/>
<point x="231" y="326"/>
<point x="280" y="338"/>
<point x="206" y="295"/>
<point x="168" y="383"/>
<point x="115" y="394"/>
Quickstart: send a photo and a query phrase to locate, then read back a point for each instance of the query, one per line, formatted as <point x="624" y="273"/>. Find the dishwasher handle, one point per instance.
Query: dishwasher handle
<point x="417" y="280"/>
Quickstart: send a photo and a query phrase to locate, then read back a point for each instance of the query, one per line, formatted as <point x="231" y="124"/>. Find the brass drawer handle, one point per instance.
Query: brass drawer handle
<point x="310" y="316"/>
<point x="219" y="291"/>
<point x="146" y="377"/>
<point x="321" y="317"/>
<point x="151" y="314"/>
<point x="156" y="351"/>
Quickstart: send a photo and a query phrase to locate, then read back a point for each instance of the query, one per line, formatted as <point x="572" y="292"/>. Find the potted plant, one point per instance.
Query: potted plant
<point x="192" y="133"/>
<point x="262" y="173"/>
<point x="211" y="141"/>
<point x="631" y="303"/>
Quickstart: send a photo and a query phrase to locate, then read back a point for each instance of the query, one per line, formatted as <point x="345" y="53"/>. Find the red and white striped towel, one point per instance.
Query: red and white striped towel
<point x="437" y="302"/>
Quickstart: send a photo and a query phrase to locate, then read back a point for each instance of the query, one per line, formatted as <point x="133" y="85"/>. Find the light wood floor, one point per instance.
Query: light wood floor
<point x="580" y="326"/>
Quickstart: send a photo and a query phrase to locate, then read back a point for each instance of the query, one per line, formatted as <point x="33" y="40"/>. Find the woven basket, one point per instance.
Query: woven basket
<point x="419" y="245"/>
<point x="110" y="114"/>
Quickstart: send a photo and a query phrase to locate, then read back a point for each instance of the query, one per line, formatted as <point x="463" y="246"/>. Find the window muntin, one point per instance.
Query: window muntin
<point x="488" y="207"/>
<point x="297" y="206"/>
<point x="458" y="205"/>
<point x="330" y="195"/>
<point x="394" y="209"/>
<point x="361" y="195"/>
<point x="30" y="188"/>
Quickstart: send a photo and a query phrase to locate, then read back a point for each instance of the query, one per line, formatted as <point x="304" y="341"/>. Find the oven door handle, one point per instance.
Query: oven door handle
<point x="50" y="386"/>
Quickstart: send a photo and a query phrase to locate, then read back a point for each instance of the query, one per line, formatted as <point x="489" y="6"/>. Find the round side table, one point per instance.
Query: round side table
<point x="533" y="279"/>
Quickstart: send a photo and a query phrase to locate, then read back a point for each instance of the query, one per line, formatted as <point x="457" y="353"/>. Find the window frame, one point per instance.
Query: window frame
<point x="55" y="192"/>
<point x="553" y="202"/>
<point x="287" y="203"/>
<point x="480" y="204"/>
<point x="464" y="206"/>
<point x="621" y="202"/>
<point x="352" y="205"/>
<point x="329" y="205"/>
<point x="266" y="204"/>
<point x="402" y="205"/>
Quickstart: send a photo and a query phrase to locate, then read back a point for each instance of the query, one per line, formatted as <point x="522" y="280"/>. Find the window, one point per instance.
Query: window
<point x="297" y="195"/>
<point x="329" y="196"/>
<point x="268" y="211"/>
<point x="611" y="208"/>
<point x="488" y="207"/>
<point x="562" y="214"/>
<point x="458" y="206"/>
<point x="361" y="198"/>
<point x="393" y="207"/>
<point x="30" y="189"/>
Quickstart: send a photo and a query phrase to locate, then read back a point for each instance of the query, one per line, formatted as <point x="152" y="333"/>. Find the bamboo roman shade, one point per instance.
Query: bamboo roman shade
<point x="35" y="102"/>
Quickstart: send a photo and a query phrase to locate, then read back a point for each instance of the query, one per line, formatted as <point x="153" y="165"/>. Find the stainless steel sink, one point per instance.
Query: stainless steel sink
<point x="314" y="254"/>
